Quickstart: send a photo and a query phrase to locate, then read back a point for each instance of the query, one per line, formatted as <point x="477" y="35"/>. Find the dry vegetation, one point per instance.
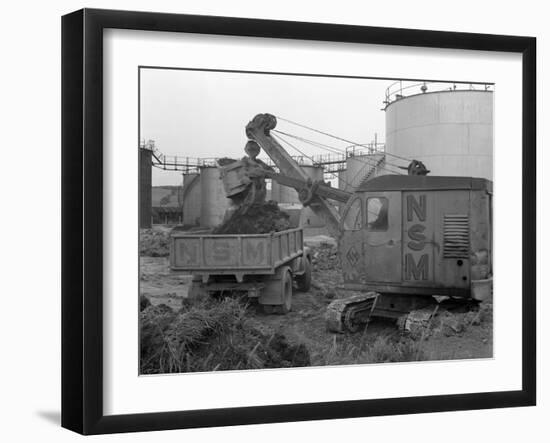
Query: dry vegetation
<point x="210" y="335"/>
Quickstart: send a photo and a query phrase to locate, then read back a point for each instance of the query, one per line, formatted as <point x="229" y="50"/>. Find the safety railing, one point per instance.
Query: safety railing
<point x="401" y="89"/>
<point x="331" y="162"/>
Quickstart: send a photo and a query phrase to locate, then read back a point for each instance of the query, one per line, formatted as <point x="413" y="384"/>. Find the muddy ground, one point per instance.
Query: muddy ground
<point x="457" y="334"/>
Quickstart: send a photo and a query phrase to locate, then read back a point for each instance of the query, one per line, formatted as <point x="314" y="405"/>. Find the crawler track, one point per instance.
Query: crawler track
<point x="348" y="314"/>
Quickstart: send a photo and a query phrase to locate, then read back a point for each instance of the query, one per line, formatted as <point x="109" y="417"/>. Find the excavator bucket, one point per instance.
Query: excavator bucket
<point x="244" y="183"/>
<point x="235" y="178"/>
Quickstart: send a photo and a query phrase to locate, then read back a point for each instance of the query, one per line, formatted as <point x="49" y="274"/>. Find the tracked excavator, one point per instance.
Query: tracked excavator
<point x="401" y="238"/>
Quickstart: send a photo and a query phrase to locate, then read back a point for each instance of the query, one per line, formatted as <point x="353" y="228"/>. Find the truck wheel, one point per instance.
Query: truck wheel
<point x="286" y="292"/>
<point x="195" y="290"/>
<point x="303" y="282"/>
<point x="269" y="309"/>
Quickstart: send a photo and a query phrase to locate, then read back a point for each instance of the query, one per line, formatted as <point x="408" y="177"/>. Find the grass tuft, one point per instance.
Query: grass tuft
<point x="212" y="335"/>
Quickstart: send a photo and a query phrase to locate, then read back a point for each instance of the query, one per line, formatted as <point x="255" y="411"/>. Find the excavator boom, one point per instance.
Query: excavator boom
<point x="319" y="189"/>
<point x="312" y="194"/>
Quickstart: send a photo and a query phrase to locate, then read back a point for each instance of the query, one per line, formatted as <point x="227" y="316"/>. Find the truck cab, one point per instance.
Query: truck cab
<point x="419" y="235"/>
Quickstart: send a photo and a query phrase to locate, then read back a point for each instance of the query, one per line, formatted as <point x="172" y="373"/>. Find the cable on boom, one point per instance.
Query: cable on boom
<point x="336" y="137"/>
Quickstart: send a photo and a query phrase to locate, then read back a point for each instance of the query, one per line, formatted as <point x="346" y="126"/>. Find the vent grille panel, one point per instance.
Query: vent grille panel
<point x="456" y="236"/>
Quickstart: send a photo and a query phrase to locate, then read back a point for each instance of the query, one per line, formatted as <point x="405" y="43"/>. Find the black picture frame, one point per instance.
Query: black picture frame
<point x="82" y="215"/>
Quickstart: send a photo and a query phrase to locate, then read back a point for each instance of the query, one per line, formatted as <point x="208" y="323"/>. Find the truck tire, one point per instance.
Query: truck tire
<point x="279" y="292"/>
<point x="303" y="282"/>
<point x="286" y="293"/>
<point x="195" y="290"/>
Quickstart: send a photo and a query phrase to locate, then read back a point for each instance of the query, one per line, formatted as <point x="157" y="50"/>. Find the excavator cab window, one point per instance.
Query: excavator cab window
<point x="377" y="214"/>
<point x="353" y="221"/>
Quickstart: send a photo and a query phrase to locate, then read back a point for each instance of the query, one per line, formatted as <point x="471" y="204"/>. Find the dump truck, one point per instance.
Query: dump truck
<point x="264" y="267"/>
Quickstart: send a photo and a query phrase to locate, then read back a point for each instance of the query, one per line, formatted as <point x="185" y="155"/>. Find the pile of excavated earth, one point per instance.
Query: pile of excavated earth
<point x="325" y="257"/>
<point x="259" y="218"/>
<point x="256" y="218"/>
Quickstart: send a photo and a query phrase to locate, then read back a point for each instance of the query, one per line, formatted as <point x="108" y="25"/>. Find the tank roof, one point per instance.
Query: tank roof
<point x="401" y="90"/>
<point x="425" y="182"/>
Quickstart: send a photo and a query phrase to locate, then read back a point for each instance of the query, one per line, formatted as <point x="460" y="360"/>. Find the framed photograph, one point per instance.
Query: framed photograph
<point x="269" y="221"/>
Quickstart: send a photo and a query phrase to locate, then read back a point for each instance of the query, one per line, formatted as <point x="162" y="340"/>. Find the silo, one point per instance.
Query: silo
<point x="450" y="131"/>
<point x="213" y="200"/>
<point x="191" y="199"/>
<point x="145" y="185"/>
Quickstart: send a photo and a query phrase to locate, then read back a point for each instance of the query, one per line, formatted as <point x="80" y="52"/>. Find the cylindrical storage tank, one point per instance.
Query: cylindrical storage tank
<point x="342" y="180"/>
<point x="191" y="199"/>
<point x="451" y="132"/>
<point x="341" y="185"/>
<point x="363" y="167"/>
<point x="308" y="218"/>
<point x="213" y="200"/>
<point x="312" y="171"/>
<point x="269" y="190"/>
<point x="283" y="194"/>
<point x="274" y="191"/>
<point x="145" y="187"/>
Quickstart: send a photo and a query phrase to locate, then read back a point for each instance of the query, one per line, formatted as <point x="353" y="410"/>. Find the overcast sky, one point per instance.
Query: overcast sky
<point x="204" y="114"/>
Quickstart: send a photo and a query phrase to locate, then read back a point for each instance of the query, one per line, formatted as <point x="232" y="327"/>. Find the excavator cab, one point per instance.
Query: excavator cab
<point x="371" y="239"/>
<point x="419" y="235"/>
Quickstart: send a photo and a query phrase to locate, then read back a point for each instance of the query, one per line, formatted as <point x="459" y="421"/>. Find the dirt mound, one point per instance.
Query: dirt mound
<point x="154" y="243"/>
<point x="210" y="335"/>
<point x="327" y="272"/>
<point x="260" y="218"/>
<point x="457" y="323"/>
<point x="279" y="353"/>
<point x="325" y="257"/>
<point x="449" y="318"/>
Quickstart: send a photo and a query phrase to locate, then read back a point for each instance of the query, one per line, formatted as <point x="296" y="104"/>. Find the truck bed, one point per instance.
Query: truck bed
<point x="235" y="254"/>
